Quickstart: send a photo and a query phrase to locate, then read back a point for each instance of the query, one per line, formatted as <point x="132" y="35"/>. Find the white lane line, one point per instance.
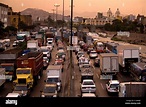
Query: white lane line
<point x="97" y="75"/>
<point x="102" y="86"/>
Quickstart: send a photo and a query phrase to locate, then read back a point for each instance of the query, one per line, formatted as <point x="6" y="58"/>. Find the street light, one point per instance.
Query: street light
<point x="53" y="13"/>
<point x="71" y="65"/>
<point x="56" y="5"/>
<point x="62" y="21"/>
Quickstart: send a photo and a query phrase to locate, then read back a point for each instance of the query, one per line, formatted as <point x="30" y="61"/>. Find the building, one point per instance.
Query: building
<point x="117" y="13"/>
<point x="99" y="15"/>
<point x="16" y="17"/>
<point x="109" y="13"/>
<point x="4" y="14"/>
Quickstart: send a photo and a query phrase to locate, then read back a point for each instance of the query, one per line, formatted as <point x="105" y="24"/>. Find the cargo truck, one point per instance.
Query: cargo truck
<point x="2" y="77"/>
<point x="8" y="61"/>
<point x="33" y="45"/>
<point x="127" y="54"/>
<point x="138" y="71"/>
<point x="132" y="89"/>
<point x="109" y="64"/>
<point x="29" y="68"/>
<point x="86" y="73"/>
<point x="54" y="75"/>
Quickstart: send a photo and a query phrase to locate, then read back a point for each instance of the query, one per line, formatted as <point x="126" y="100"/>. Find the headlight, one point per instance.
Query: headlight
<point x="42" y="95"/>
<point x="58" y="83"/>
<point x="54" y="95"/>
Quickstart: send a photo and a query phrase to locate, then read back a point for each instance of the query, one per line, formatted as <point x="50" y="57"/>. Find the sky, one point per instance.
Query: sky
<point x="84" y="8"/>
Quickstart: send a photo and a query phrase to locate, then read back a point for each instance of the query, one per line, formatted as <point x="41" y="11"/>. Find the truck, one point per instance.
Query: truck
<point x="109" y="64"/>
<point x="54" y="75"/>
<point x="33" y="45"/>
<point x="29" y="69"/>
<point x="2" y="77"/>
<point x="40" y="39"/>
<point x="8" y="61"/>
<point x="132" y="89"/>
<point x="138" y="71"/>
<point x="127" y="54"/>
<point x="86" y="73"/>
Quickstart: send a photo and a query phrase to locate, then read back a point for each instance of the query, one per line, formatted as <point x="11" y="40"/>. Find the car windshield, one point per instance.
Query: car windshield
<point x="93" y="52"/>
<point x="88" y="83"/>
<point x="114" y="85"/>
<point x="86" y="66"/>
<point x="49" y="89"/>
<point x="52" y="80"/>
<point x="19" y="88"/>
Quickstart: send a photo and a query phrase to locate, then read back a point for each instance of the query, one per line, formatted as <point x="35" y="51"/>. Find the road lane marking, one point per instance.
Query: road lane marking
<point x="102" y="86"/>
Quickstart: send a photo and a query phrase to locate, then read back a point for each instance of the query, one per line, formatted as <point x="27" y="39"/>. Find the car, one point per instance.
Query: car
<point x="80" y="53"/>
<point x="88" y="85"/>
<point x="89" y="49"/>
<point x="49" y="90"/>
<point x="85" y="66"/>
<point x="12" y="94"/>
<point x="97" y="62"/>
<point x="22" y="89"/>
<point x="15" y="43"/>
<point x="112" y="86"/>
<point x="93" y="54"/>
<point x="45" y="62"/>
<point x="60" y="60"/>
<point x="84" y="61"/>
<point x="61" y="54"/>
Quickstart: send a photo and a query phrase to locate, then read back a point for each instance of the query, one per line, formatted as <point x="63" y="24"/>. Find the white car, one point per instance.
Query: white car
<point x="93" y="54"/>
<point x="112" y="86"/>
<point x="13" y="95"/>
<point x="88" y="85"/>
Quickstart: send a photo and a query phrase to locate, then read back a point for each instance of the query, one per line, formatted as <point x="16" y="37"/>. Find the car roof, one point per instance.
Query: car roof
<point x="88" y="95"/>
<point x="87" y="80"/>
<point x="12" y="95"/>
<point x="114" y="81"/>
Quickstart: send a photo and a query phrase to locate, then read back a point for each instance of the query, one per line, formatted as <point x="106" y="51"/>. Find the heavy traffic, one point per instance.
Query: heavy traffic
<point x="99" y="68"/>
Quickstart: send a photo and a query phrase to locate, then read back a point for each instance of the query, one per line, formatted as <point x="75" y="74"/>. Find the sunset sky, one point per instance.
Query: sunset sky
<point x="87" y="8"/>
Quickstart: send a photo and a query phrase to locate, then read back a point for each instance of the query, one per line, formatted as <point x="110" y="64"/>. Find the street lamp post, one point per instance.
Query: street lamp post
<point x="53" y="13"/>
<point x="71" y="63"/>
<point x="56" y="5"/>
<point x="62" y="21"/>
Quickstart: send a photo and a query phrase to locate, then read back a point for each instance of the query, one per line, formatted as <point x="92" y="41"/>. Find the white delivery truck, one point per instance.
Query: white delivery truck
<point x="109" y="64"/>
<point x="32" y="45"/>
<point x="2" y="77"/>
<point x="127" y="54"/>
<point x="132" y="89"/>
<point x="54" y="75"/>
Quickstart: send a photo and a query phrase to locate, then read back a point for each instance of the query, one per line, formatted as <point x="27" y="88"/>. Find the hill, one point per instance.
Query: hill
<point x="38" y="13"/>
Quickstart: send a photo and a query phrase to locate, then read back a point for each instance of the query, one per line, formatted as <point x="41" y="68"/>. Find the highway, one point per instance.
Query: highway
<point x="100" y="83"/>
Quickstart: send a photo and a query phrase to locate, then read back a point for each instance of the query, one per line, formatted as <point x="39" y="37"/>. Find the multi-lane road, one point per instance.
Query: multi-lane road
<point x="71" y="86"/>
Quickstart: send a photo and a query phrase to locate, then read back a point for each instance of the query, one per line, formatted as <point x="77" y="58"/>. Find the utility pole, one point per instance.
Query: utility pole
<point x="62" y="21"/>
<point x="56" y="5"/>
<point x="53" y="13"/>
<point x="53" y="17"/>
<point x="19" y="21"/>
<point x="71" y="64"/>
